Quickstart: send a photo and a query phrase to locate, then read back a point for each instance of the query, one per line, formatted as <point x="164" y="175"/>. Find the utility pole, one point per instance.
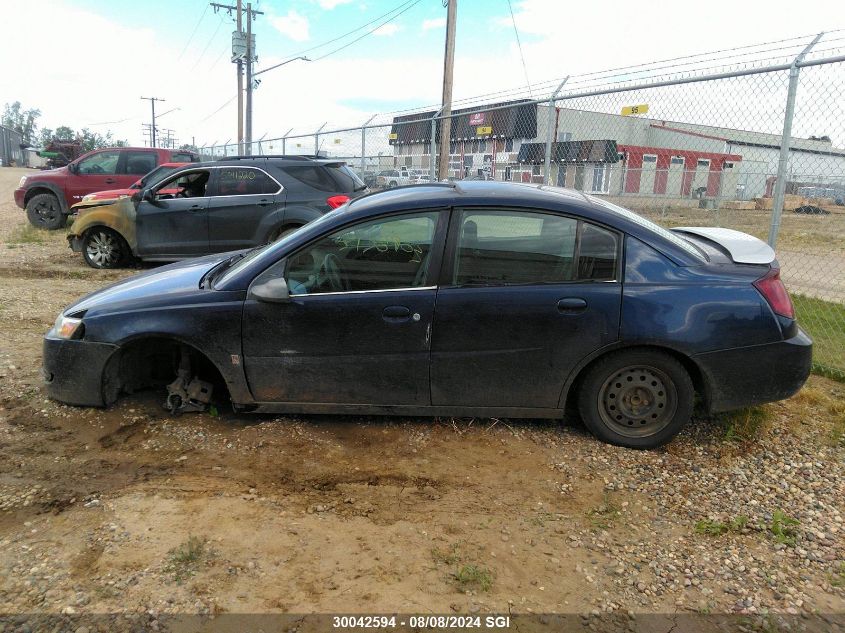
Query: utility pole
<point x="448" y="70"/>
<point x="240" y="71"/>
<point x="243" y="51"/>
<point x="249" y="54"/>
<point x="152" y="101"/>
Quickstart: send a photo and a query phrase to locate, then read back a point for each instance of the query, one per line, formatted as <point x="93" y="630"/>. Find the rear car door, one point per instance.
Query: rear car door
<point x="240" y="201"/>
<point x="175" y="225"/>
<point x="525" y="295"/>
<point x="357" y="327"/>
<point x="135" y="164"/>
<point x="96" y="172"/>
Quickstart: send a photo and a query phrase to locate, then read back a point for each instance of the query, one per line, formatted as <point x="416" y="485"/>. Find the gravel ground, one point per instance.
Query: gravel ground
<point x="131" y="511"/>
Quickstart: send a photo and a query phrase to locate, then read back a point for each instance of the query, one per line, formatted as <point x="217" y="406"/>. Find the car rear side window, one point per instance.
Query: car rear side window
<point x="333" y="178"/>
<point x="524" y="247"/>
<point x="139" y="163"/>
<point x="243" y="181"/>
<point x="185" y="157"/>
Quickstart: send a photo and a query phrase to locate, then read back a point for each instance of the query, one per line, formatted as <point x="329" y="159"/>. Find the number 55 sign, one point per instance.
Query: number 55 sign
<point x="635" y="109"/>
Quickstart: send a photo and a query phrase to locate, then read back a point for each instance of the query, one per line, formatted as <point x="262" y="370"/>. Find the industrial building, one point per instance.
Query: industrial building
<point x="617" y="155"/>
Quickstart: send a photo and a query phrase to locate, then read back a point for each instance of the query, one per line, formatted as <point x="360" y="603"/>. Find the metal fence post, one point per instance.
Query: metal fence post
<point x="550" y="132"/>
<point x="433" y="146"/>
<point x="785" y="140"/>
<point x="317" y="138"/>
<point x="364" y="144"/>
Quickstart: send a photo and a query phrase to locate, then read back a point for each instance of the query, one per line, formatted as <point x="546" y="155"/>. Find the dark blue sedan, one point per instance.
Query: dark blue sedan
<point x="467" y="299"/>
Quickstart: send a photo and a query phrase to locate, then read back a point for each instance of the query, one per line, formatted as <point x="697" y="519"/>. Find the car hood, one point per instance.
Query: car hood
<point x="165" y="285"/>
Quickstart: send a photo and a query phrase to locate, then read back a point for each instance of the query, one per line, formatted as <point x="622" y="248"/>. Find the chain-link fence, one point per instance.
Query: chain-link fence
<point x="757" y="147"/>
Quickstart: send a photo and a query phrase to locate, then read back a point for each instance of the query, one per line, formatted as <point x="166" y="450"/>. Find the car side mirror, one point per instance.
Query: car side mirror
<point x="272" y="291"/>
<point x="73" y="168"/>
<point x="146" y="194"/>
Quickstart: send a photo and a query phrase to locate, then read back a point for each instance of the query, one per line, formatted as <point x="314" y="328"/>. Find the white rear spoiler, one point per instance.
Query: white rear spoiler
<point x="743" y="248"/>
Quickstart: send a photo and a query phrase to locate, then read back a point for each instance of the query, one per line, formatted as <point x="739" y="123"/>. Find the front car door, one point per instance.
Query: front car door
<point x="357" y="327"/>
<point x="174" y="224"/>
<point x="524" y="296"/>
<point x="240" y="202"/>
<point x="95" y="172"/>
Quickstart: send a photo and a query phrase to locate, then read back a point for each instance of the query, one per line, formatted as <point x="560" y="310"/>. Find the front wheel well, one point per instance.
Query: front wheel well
<point x="153" y="362"/>
<point x="35" y="191"/>
<point x="698" y="381"/>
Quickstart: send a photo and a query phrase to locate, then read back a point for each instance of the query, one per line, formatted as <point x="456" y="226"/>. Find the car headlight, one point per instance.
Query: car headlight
<point x="90" y="196"/>
<point x="22" y="182"/>
<point x="67" y="327"/>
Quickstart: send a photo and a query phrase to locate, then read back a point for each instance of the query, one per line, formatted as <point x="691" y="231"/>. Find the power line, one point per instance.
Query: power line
<point x="218" y="109"/>
<point x="370" y="32"/>
<point x="210" y="40"/>
<point x="355" y="30"/>
<point x="519" y="44"/>
<point x="190" y="39"/>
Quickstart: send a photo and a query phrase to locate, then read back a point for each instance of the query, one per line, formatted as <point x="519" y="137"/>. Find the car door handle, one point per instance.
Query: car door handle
<point x="571" y="305"/>
<point x="196" y="207"/>
<point x="109" y="181"/>
<point x="396" y="313"/>
<point x="264" y="202"/>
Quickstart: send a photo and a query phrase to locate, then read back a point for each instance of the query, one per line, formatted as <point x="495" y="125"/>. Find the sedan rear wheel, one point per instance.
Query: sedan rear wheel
<point x="104" y="248"/>
<point x="639" y="398"/>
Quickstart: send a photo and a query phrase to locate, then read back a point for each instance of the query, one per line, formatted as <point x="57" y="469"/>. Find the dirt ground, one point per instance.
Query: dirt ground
<point x="132" y="510"/>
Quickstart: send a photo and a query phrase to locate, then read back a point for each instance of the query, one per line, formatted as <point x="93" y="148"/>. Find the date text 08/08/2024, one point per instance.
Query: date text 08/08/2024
<point x="421" y="621"/>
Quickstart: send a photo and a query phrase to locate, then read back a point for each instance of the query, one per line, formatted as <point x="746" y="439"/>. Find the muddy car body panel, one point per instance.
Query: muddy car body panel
<point x="346" y="315"/>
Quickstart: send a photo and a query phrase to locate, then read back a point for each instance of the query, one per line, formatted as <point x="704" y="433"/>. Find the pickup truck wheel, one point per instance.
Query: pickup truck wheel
<point x="104" y="248"/>
<point x="45" y="211"/>
<point x="393" y="183"/>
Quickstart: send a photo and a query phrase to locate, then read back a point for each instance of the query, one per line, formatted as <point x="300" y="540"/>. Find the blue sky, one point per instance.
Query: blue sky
<point x="125" y="49"/>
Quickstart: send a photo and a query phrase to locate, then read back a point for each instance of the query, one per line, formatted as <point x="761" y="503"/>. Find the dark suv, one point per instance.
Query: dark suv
<point x="226" y="205"/>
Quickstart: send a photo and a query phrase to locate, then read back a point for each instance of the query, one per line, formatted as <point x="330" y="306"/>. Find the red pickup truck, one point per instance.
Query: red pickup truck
<point x="48" y="196"/>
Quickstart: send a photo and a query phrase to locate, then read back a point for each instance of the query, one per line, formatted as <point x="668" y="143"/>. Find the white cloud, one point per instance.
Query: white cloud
<point x="328" y="5"/>
<point x="387" y="30"/>
<point x="294" y="25"/>
<point x="436" y="23"/>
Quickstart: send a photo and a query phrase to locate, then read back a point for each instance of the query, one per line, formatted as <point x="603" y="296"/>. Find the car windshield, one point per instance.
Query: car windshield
<point x="231" y="268"/>
<point x="662" y="232"/>
<point x="156" y="174"/>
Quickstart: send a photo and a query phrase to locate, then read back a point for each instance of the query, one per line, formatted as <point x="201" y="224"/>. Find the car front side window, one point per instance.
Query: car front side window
<point x="384" y="254"/>
<point x="184" y="185"/>
<point x="100" y="164"/>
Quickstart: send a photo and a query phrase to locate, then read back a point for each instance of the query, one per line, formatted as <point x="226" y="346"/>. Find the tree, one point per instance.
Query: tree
<point x="22" y="121"/>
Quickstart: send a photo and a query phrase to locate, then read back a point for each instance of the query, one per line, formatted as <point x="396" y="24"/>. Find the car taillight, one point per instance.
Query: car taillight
<point x="772" y="288"/>
<point x="337" y="201"/>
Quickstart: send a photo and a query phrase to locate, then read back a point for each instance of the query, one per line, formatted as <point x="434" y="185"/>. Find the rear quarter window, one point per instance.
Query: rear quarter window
<point x="328" y="178"/>
<point x="183" y="157"/>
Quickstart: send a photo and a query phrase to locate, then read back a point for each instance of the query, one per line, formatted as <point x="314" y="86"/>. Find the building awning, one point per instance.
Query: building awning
<point x="510" y="119"/>
<point x="570" y="152"/>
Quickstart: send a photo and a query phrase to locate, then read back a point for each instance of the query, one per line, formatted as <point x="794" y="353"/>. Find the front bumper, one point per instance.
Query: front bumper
<point x="746" y="376"/>
<point x="74" y="242"/>
<point x="20" y="194"/>
<point x="73" y="370"/>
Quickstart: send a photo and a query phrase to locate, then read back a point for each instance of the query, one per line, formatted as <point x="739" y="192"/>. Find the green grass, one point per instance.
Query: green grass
<point x="717" y="528"/>
<point x="27" y="234"/>
<point x="184" y="560"/>
<point x="602" y="516"/>
<point x="825" y="322"/>
<point x="745" y="424"/>
<point x="472" y="577"/>
<point x="837" y="578"/>
<point x="782" y="528"/>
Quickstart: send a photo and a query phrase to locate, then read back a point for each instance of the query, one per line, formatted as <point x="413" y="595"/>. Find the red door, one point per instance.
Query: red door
<point x="96" y="171"/>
